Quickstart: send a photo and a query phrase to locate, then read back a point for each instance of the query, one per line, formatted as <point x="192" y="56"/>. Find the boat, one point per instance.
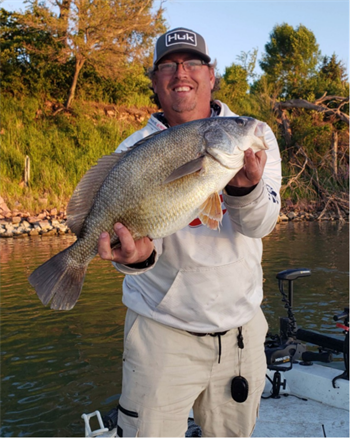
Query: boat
<point x="303" y="397"/>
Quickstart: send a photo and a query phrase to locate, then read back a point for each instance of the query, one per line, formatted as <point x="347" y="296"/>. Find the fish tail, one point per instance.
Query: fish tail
<point x="60" y="279"/>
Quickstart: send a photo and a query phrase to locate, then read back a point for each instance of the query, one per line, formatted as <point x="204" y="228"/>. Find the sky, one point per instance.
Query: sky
<point x="231" y="27"/>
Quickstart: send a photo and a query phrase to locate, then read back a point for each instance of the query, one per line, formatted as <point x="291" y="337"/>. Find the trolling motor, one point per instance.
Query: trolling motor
<point x="284" y="349"/>
<point x="281" y="350"/>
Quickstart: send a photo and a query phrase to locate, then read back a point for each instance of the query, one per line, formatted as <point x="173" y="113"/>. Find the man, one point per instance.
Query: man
<point x="194" y="321"/>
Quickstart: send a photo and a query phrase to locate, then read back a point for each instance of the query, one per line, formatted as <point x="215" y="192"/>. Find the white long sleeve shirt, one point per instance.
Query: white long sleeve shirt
<point x="207" y="280"/>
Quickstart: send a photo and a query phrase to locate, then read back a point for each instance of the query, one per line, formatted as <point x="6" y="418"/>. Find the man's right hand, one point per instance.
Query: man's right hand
<point x="131" y="251"/>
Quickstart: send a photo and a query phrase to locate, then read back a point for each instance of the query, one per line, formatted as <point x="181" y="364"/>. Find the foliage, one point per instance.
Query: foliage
<point x="108" y="37"/>
<point x="291" y="58"/>
<point x="101" y="50"/>
<point x="61" y="149"/>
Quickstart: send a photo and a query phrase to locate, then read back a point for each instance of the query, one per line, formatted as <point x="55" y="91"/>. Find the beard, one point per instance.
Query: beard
<point x="182" y="105"/>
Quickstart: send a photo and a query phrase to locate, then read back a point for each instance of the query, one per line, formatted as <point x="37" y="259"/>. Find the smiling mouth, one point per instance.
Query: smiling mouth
<point x="182" y="88"/>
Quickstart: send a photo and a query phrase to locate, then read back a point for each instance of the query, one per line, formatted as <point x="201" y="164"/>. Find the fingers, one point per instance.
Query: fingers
<point x="126" y="241"/>
<point x="104" y="246"/>
<point x="252" y="171"/>
<point x="254" y="165"/>
<point x="129" y="252"/>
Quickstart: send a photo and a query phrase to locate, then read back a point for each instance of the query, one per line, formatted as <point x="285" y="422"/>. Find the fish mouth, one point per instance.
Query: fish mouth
<point x="260" y="131"/>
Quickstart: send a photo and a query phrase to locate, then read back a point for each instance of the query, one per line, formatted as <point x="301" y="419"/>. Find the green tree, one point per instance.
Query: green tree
<point x="24" y="72"/>
<point x="234" y="84"/>
<point x="290" y="58"/>
<point x="105" y="34"/>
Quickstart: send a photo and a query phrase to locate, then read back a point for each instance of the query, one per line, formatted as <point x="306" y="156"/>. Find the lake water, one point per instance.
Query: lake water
<point x="57" y="365"/>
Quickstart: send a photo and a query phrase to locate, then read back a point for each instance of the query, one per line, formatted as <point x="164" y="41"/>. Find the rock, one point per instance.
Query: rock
<point x="284" y="218"/>
<point x="50" y="232"/>
<point x="7" y="234"/>
<point x="19" y="233"/>
<point x="33" y="219"/>
<point x="291" y="215"/>
<point x="16" y="219"/>
<point x="26" y="225"/>
<point x="3" y="207"/>
<point x="45" y="225"/>
<point x="53" y="212"/>
<point x="34" y="232"/>
<point x="9" y="227"/>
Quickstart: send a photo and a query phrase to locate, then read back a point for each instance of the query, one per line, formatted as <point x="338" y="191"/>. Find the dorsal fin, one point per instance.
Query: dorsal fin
<point x="85" y="192"/>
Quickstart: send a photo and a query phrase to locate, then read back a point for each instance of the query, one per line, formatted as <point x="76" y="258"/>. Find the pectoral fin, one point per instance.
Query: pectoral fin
<point x="186" y="169"/>
<point x="211" y="212"/>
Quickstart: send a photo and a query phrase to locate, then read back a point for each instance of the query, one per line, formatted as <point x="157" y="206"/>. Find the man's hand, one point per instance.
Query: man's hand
<point x="131" y="251"/>
<point x="252" y="171"/>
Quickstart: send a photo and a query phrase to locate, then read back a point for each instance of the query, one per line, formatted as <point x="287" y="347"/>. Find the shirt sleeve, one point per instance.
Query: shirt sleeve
<point x="255" y="215"/>
<point x="125" y="269"/>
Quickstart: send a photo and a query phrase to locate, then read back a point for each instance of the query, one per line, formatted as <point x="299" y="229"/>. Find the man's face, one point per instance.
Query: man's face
<point x="184" y="95"/>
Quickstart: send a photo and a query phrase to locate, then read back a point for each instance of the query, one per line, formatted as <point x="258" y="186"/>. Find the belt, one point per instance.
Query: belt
<point x="218" y="334"/>
<point x="208" y="334"/>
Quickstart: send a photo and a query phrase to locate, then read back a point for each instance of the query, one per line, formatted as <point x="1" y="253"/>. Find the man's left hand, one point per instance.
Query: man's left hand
<point x="252" y="171"/>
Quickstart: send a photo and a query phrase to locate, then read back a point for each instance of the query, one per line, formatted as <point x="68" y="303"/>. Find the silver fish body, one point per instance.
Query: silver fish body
<point x="154" y="189"/>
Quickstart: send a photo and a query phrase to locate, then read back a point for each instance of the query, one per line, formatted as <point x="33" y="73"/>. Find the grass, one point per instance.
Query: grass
<point x="61" y="149"/>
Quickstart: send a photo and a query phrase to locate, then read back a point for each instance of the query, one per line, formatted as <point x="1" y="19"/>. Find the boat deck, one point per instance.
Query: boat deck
<point x="289" y="416"/>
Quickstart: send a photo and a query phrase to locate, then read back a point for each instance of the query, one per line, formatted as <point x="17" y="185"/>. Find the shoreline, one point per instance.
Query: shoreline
<point x="47" y="223"/>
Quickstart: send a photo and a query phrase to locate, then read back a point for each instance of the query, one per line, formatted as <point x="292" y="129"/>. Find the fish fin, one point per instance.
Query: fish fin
<point x="85" y="192"/>
<point x="59" y="280"/>
<point x="211" y="212"/>
<point x="186" y="169"/>
<point x="143" y="140"/>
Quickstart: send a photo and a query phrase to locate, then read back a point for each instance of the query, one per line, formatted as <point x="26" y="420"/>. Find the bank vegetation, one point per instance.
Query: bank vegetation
<point x="74" y="86"/>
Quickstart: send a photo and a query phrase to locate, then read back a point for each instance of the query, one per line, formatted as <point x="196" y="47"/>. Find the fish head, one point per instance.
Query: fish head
<point x="228" y="137"/>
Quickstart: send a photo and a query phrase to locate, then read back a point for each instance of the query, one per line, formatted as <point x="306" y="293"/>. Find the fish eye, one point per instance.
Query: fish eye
<point x="240" y="121"/>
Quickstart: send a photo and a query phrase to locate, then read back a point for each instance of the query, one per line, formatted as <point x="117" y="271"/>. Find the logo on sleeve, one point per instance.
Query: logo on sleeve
<point x="181" y="37"/>
<point x="272" y="194"/>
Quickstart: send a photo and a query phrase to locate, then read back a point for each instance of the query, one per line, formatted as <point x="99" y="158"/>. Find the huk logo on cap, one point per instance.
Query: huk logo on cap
<point x="181" y="37"/>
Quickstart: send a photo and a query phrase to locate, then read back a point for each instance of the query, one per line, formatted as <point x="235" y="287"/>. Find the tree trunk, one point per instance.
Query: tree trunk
<point x="78" y="66"/>
<point x="64" y="16"/>
<point x="335" y="153"/>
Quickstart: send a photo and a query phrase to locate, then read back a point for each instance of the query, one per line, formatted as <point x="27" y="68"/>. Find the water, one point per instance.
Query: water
<point x="57" y="365"/>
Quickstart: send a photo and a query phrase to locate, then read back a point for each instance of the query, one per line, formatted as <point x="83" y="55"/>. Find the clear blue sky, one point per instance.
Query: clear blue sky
<point x="233" y="26"/>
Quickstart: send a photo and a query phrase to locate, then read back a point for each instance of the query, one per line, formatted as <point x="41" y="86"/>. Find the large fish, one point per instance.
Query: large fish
<point x="155" y="188"/>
